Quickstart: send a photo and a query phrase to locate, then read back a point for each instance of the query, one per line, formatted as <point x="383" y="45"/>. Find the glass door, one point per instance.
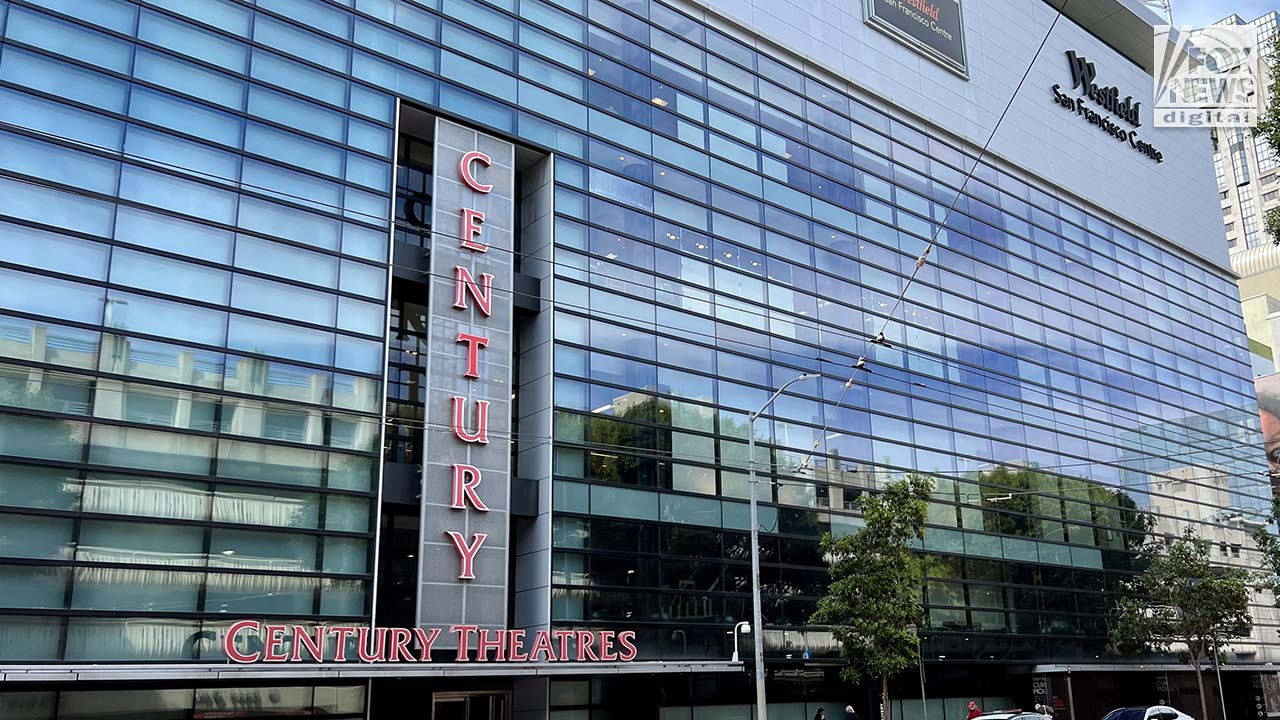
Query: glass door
<point x="471" y="706"/>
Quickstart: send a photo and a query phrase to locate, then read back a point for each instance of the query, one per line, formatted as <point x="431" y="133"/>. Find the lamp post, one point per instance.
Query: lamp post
<point x="924" y="704"/>
<point x="757" y="626"/>
<point x="736" y="628"/>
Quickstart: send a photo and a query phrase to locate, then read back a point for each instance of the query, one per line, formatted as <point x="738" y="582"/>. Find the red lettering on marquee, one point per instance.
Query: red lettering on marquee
<point x="395" y="644"/>
<point x="481" y="433"/>
<point x="472" y="221"/>
<point x="482" y="292"/>
<point x="626" y="639"/>
<point x="467" y="553"/>
<point x="466" y="478"/>
<point x="426" y="641"/>
<point x="474" y="343"/>
<point x="464" y="633"/>
<point x="314" y="644"/>
<point x="229" y="641"/>
<point x="465" y="172"/>
<point x="485" y="643"/>
<point x="379" y="651"/>
<point x="273" y="652"/>
<point x="342" y="632"/>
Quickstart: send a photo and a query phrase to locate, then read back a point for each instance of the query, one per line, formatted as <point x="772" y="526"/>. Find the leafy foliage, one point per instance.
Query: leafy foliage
<point x="876" y="583"/>
<point x="1183" y="602"/>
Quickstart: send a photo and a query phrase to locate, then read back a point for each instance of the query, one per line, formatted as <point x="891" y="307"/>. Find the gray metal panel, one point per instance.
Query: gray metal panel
<point x="443" y="598"/>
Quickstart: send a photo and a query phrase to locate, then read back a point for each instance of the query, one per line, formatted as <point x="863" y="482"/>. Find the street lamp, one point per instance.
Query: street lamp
<point x="924" y="704"/>
<point x="757" y="626"/>
<point x="736" y="628"/>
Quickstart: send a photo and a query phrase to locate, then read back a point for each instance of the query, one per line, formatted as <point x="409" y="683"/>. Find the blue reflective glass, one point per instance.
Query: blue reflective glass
<point x="62" y="38"/>
<point x="30" y="293"/>
<point x="301" y="226"/>
<point x="59" y="164"/>
<point x="152" y="316"/>
<point x="171" y="193"/>
<point x="265" y="337"/>
<point x="203" y="83"/>
<point x="191" y="41"/>
<point x="292" y="149"/>
<point x="274" y="258"/>
<point x="115" y="15"/>
<point x="62" y="80"/>
<point x="272" y="298"/>
<point x="184" y="116"/>
<point x="61" y="120"/>
<point x="295" y="113"/>
<point x="171" y="234"/>
<point x="188" y="157"/>
<point x="53" y="207"/>
<point x="317" y="84"/>
<point x="34" y="248"/>
<point x="170" y="277"/>
<point x="301" y="43"/>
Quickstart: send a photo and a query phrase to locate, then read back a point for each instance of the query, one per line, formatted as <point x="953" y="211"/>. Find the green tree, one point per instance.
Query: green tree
<point x="1268" y="128"/>
<point x="877" y="584"/>
<point x="1182" y="600"/>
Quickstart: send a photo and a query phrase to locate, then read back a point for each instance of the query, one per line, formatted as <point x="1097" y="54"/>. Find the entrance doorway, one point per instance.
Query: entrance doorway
<point x="471" y="706"/>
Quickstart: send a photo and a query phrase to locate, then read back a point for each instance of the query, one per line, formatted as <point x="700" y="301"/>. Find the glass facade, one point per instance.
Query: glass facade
<point x="178" y="448"/>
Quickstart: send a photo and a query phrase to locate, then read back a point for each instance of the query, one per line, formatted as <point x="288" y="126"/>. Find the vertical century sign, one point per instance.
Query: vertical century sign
<point x="462" y="568"/>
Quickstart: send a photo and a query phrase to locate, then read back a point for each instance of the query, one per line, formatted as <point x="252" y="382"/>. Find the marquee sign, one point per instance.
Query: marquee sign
<point x="462" y="569"/>
<point x="250" y="641"/>
<point x="935" y="28"/>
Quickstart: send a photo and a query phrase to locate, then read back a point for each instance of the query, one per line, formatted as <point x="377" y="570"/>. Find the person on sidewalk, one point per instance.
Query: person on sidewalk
<point x="974" y="710"/>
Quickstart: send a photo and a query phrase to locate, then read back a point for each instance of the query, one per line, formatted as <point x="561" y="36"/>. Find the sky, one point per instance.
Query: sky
<point x="1204" y="12"/>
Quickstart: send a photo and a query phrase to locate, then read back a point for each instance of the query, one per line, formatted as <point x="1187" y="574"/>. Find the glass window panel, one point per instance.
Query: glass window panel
<point x="218" y="13"/>
<point x="182" y="196"/>
<point x="100" y="588"/>
<point x="273" y="508"/>
<point x="295" y="41"/>
<point x="272" y="338"/>
<point x="359" y="355"/>
<point x="167" y="71"/>
<point x="134" y="447"/>
<point x="254" y="376"/>
<point x="143" y="543"/>
<point x="253" y="418"/>
<point x="155" y="406"/>
<point x="31" y="536"/>
<point x="26" y="586"/>
<point x="343" y="512"/>
<point x="55" y="118"/>
<point x="300" y="226"/>
<point x="136" y="313"/>
<point x="150" y="497"/>
<point x="43" y="438"/>
<point x="55" y="36"/>
<point x="260" y="594"/>
<point x="272" y="298"/>
<point x="34" y="248"/>
<point x="295" y="113"/>
<point x="276" y="70"/>
<point x="25" y="292"/>
<point x="38" y="487"/>
<point x="271" y="463"/>
<point x="287" y="552"/>
<point x="349" y="472"/>
<point x="112" y="14"/>
<point x="135" y="639"/>
<point x="186" y="39"/>
<point x="164" y="232"/>
<point x="47" y="343"/>
<point x="361" y="317"/>
<point x="60" y="164"/>
<point x="170" y="277"/>
<point x="162" y="361"/>
<point x="53" y="207"/>
<point x="25" y="387"/>
<point x="363" y="279"/>
<point x="345" y="555"/>
<point x="357" y="393"/>
<point x="30" y="638"/>
<point x="63" y="80"/>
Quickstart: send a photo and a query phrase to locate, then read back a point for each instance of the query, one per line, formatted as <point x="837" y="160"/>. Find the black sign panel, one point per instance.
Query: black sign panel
<point x="934" y="27"/>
